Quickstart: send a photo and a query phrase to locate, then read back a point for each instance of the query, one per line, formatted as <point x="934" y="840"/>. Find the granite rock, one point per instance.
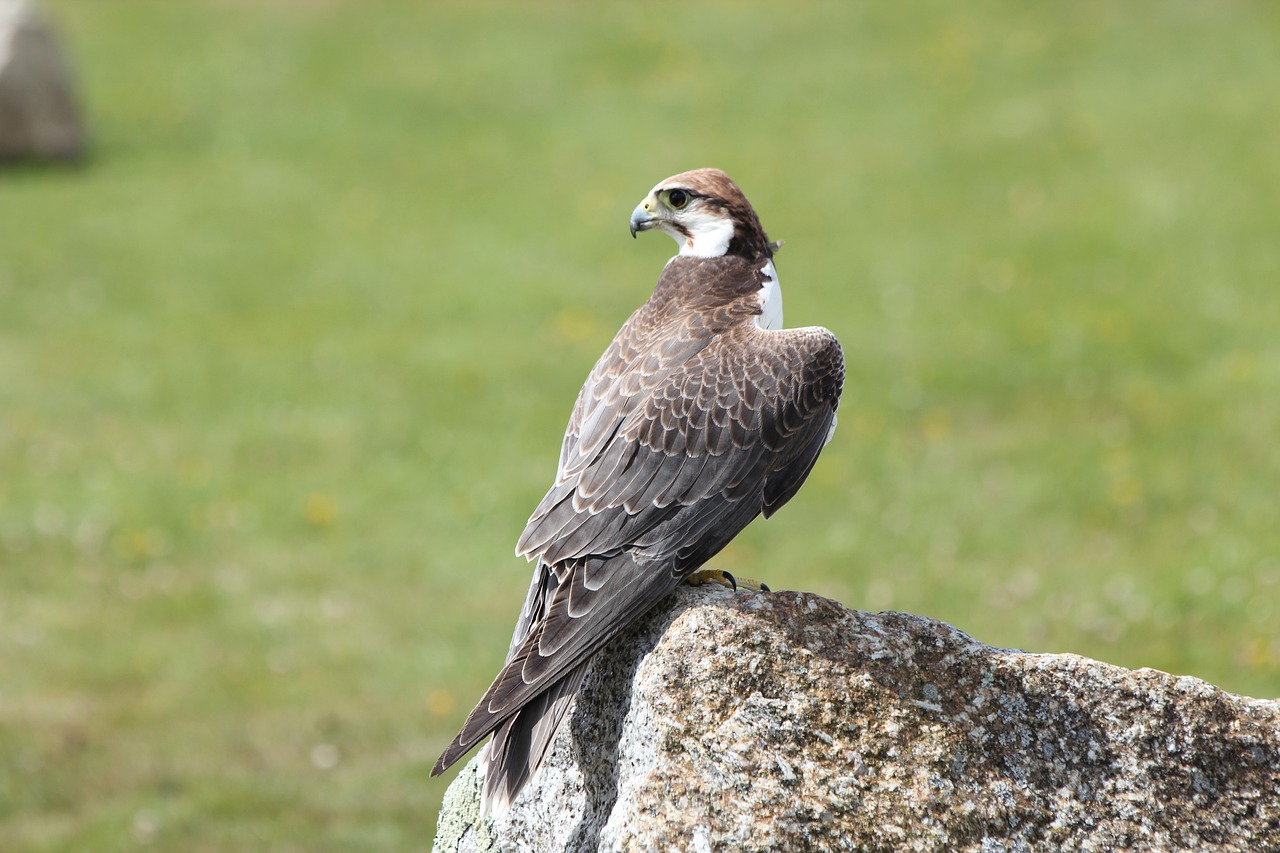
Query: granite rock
<point x="785" y="721"/>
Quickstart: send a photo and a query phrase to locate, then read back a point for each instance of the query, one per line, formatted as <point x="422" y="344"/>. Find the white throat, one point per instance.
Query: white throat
<point x="770" y="299"/>
<point x="709" y="236"/>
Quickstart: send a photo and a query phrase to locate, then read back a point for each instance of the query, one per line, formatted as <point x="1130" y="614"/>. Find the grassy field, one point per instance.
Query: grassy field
<point x="285" y="367"/>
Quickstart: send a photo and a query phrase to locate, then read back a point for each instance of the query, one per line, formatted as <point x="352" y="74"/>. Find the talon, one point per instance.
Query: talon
<point x="706" y="576"/>
<point x="726" y="579"/>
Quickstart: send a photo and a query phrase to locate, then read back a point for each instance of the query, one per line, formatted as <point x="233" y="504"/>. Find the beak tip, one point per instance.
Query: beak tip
<point x="641" y="220"/>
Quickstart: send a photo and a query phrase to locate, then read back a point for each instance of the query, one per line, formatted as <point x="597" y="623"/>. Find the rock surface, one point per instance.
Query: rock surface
<point x="39" y="115"/>
<point x="785" y="721"/>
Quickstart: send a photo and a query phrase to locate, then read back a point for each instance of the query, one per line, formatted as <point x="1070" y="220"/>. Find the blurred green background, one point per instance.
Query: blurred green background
<point x="285" y="367"/>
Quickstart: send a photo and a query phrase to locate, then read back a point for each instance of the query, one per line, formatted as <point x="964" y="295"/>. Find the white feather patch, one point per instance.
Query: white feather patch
<point x="709" y="235"/>
<point x="770" y="299"/>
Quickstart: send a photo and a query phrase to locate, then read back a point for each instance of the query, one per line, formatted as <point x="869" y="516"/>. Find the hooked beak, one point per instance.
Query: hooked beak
<point x="642" y="218"/>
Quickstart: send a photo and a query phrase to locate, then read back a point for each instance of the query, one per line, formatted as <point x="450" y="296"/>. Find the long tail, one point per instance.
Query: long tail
<point x="521" y="741"/>
<point x="570" y="613"/>
<point x="480" y="722"/>
<point x="520" y="744"/>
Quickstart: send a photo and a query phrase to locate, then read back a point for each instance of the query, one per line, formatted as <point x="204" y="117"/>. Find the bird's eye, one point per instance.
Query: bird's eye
<point x="677" y="198"/>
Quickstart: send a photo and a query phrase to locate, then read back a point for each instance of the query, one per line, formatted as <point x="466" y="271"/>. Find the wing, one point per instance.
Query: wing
<point x="650" y="345"/>
<point x="723" y="437"/>
<point x="653" y="484"/>
<point x="743" y="417"/>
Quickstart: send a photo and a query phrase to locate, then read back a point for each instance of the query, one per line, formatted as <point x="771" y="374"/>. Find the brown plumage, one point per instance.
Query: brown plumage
<point x="697" y="418"/>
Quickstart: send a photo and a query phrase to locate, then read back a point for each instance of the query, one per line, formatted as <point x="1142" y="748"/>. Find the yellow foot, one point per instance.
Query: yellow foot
<point x="706" y="576"/>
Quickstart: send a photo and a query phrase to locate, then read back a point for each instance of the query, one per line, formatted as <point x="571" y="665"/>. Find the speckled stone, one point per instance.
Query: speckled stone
<point x="785" y="721"/>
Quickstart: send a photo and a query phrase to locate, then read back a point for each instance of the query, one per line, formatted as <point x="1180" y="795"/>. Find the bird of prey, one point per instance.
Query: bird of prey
<point x="702" y="414"/>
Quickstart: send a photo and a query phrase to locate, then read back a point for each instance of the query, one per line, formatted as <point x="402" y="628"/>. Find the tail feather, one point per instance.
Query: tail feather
<point x="566" y="619"/>
<point x="522" y="742"/>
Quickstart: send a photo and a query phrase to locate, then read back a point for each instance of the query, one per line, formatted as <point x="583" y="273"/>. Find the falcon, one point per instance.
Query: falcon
<point x="702" y="414"/>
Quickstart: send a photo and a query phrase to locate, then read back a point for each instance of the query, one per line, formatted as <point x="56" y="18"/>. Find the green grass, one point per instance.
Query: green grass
<point x="285" y="367"/>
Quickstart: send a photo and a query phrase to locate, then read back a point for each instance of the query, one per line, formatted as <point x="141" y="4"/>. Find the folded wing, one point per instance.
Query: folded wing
<point x="672" y="449"/>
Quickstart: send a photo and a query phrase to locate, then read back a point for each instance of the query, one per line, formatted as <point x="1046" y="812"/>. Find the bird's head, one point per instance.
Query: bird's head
<point x="705" y="213"/>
